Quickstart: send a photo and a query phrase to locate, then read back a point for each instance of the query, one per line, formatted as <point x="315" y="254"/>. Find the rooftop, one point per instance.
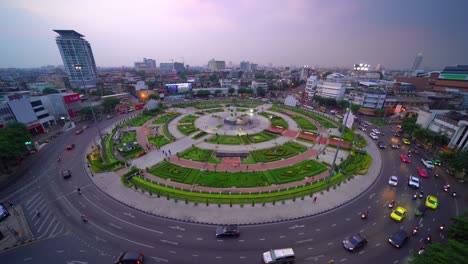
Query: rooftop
<point x="68" y="33"/>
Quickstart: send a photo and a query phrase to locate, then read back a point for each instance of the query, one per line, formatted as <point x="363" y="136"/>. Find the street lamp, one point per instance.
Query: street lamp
<point x="332" y="168"/>
<point x="79" y="68"/>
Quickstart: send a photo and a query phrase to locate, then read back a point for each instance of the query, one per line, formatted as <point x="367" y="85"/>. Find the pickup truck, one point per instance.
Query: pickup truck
<point x="428" y="164"/>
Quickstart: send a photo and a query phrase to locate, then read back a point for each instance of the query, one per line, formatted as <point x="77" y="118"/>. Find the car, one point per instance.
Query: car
<point x="395" y="146"/>
<point x="78" y="132"/>
<point x="382" y="145"/>
<point x="354" y="243"/>
<point x="437" y="162"/>
<point x="393" y="181"/>
<point x="363" y="128"/>
<point x="423" y="172"/>
<point x="413" y="182"/>
<point x="405" y="158"/>
<point x="339" y="116"/>
<point x="373" y="136"/>
<point x="66" y="174"/>
<point x="398" y="238"/>
<point x="109" y="116"/>
<point x="428" y="164"/>
<point x="285" y="255"/>
<point x="129" y="257"/>
<point x="398" y="126"/>
<point x="432" y="202"/>
<point x="376" y="131"/>
<point x="396" y="135"/>
<point x="398" y="214"/>
<point x="227" y="231"/>
<point x="70" y="147"/>
<point x="413" y="151"/>
<point x="406" y="141"/>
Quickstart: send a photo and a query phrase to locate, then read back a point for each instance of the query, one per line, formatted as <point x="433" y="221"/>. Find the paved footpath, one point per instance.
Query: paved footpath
<point x="110" y="183"/>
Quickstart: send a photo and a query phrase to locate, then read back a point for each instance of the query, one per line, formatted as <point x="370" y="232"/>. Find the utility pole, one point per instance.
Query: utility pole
<point x="332" y="168"/>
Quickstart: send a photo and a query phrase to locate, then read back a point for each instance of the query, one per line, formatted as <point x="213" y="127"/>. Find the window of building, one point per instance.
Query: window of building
<point x="36" y="103"/>
<point x="38" y="109"/>
<point x="43" y="116"/>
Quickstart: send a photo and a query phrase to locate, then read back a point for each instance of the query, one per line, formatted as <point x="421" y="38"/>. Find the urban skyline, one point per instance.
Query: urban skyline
<point x="331" y="33"/>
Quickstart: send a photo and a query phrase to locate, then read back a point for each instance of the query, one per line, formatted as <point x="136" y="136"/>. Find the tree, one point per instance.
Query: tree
<point x="231" y="90"/>
<point x="457" y="160"/>
<point x="379" y="112"/>
<point x="355" y="108"/>
<point x="261" y="91"/>
<point x="110" y="103"/>
<point x="87" y="112"/>
<point x="343" y="104"/>
<point x="154" y="96"/>
<point x="12" y="140"/>
<point x="454" y="251"/>
<point x="242" y="90"/>
<point x="49" y="91"/>
<point x="203" y="93"/>
<point x="409" y="125"/>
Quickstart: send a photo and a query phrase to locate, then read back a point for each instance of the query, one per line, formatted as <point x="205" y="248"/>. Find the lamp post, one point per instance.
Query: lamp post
<point x="79" y="67"/>
<point x="332" y="168"/>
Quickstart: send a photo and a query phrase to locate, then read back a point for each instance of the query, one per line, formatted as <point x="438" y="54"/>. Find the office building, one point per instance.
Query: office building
<point x="146" y="64"/>
<point x="215" y="66"/>
<point x="245" y="66"/>
<point x="331" y="90"/>
<point x="417" y="62"/>
<point x="311" y="85"/>
<point x="454" y="80"/>
<point x="76" y="51"/>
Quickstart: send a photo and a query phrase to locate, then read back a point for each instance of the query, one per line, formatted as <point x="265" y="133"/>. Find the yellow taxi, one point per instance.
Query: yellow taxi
<point x="406" y="141"/>
<point x="398" y="214"/>
<point x="432" y="202"/>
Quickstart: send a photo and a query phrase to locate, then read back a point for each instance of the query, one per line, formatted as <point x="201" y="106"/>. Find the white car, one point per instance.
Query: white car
<point x="376" y="131"/>
<point x="428" y="164"/>
<point x="413" y="181"/>
<point x="373" y="136"/>
<point x="285" y="255"/>
<point x="393" y="181"/>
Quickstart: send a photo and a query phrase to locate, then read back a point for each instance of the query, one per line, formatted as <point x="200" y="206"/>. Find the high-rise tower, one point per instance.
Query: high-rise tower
<point x="417" y="62"/>
<point x="77" y="58"/>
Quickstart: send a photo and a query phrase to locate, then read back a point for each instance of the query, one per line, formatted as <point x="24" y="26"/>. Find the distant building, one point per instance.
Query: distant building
<point x="311" y="85"/>
<point x="331" y="90"/>
<point x="255" y="85"/>
<point x="245" y="66"/>
<point x="225" y="83"/>
<point x="417" y="62"/>
<point x="253" y="66"/>
<point x="454" y="80"/>
<point x="77" y="58"/>
<point x="179" y="67"/>
<point x="39" y="87"/>
<point x="166" y="67"/>
<point x="146" y="64"/>
<point x="140" y="85"/>
<point x="421" y="83"/>
<point x="216" y="65"/>
<point x="6" y="115"/>
<point x="305" y="73"/>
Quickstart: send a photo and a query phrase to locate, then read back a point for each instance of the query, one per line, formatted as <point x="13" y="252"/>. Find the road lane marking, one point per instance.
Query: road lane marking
<point x="241" y="240"/>
<point x="282" y="236"/>
<point x="199" y="238"/>
<point x="60" y="251"/>
<point x="27" y="259"/>
<point x="331" y="243"/>
<point x="333" y="225"/>
<point x="348" y="219"/>
<point x="262" y="239"/>
<point x="318" y="229"/>
<point x="362" y="252"/>
<point x="300" y="234"/>
<point x="116" y="226"/>
<point x="343" y="260"/>
<point x="362" y="231"/>
<point x="378" y="244"/>
<point x="159" y="259"/>
<point x="177" y="228"/>
<point x="305" y="240"/>
<point x="172" y="251"/>
<point x="169" y="242"/>
<point x="129" y="215"/>
<point x="296" y="226"/>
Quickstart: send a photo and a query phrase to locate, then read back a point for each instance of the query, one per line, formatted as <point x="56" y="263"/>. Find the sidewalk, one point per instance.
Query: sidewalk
<point x="110" y="183"/>
<point x="14" y="228"/>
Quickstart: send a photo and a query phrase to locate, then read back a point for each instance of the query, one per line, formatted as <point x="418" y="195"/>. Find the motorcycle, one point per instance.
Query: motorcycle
<point x="391" y="204"/>
<point x="427" y="240"/>
<point x="415" y="196"/>
<point x="454" y="194"/>
<point x="442" y="227"/>
<point x="84" y="218"/>
<point x="421" y="250"/>
<point x="446" y="187"/>
<point x="364" y="215"/>
<point x="421" y="195"/>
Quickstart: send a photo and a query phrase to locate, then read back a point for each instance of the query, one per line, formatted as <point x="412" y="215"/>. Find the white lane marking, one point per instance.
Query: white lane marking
<point x="27" y="259"/>
<point x="116" y="226"/>
<point x="343" y="260"/>
<point x="32" y="198"/>
<point x="315" y="257"/>
<point x="172" y="251"/>
<point x="372" y="195"/>
<point x="318" y="229"/>
<point x="261" y="239"/>
<point x="396" y="261"/>
<point x="282" y="236"/>
<point x="331" y="243"/>
<point x="300" y="234"/>
<point x="129" y="215"/>
<point x="128" y="223"/>
<point x="177" y="228"/>
<point x="60" y="251"/>
<point x="82" y="250"/>
<point x="348" y="219"/>
<point x="218" y="257"/>
<point x="169" y="242"/>
<point x="179" y="236"/>
<point x="362" y="252"/>
<point x="159" y="259"/>
<point x="100" y="239"/>
<point x="219" y="240"/>
<point x="305" y="240"/>
<point x="362" y="231"/>
<point x="82" y="204"/>
<point x="194" y="255"/>
<point x="241" y="240"/>
<point x="199" y="238"/>
<point x="333" y="225"/>
<point x="296" y="226"/>
<point x="373" y="224"/>
<point x="242" y="257"/>
<point x="378" y="244"/>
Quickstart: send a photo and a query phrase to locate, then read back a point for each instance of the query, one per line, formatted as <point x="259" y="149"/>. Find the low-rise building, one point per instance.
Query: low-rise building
<point x="330" y="90"/>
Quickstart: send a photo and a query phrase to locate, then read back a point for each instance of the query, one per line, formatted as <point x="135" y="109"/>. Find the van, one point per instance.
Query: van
<point x="285" y="255"/>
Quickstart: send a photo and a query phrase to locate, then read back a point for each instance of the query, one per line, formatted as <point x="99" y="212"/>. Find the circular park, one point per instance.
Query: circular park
<point x="230" y="152"/>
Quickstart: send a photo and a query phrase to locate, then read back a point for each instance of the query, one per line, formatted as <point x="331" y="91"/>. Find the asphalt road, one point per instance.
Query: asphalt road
<point x="62" y="237"/>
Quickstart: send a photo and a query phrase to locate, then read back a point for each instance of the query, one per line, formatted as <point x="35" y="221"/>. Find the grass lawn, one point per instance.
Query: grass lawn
<point x="248" y="160"/>
<point x="259" y="137"/>
<point x="158" y="141"/>
<point x="197" y="154"/>
<point x="223" y="179"/>
<point x="285" y="151"/>
<point x="166" y="118"/>
<point x="139" y="120"/>
<point x="187" y="129"/>
<point x="226" y="140"/>
<point x="200" y="134"/>
<point x="356" y="164"/>
<point x="360" y="141"/>
<point x="109" y="156"/>
<point x="275" y="120"/>
<point x="348" y="135"/>
<point x="188" y="119"/>
<point x="216" y="110"/>
<point x="304" y="124"/>
<point x="322" y="121"/>
<point x="129" y="138"/>
<point x="167" y="133"/>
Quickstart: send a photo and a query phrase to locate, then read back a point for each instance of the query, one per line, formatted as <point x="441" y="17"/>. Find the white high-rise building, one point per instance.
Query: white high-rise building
<point x="77" y="58"/>
<point x="331" y="90"/>
<point x="216" y="65"/>
<point x="417" y="62"/>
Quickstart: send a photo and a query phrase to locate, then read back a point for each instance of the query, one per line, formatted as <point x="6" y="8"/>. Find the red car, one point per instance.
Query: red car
<point x="70" y="147"/>
<point x="405" y="158"/>
<point x="423" y="172"/>
<point x="78" y="132"/>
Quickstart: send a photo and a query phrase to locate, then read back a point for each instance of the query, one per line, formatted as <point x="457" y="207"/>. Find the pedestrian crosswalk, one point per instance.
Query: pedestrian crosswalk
<point x="42" y="221"/>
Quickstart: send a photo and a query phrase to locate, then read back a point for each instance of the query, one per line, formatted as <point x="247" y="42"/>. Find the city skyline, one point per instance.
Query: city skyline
<point x="331" y="33"/>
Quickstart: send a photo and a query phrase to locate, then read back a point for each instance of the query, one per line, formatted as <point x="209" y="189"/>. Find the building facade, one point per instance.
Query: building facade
<point x="76" y="51"/>
<point x="330" y="90"/>
<point x="214" y="65"/>
<point x="146" y="64"/>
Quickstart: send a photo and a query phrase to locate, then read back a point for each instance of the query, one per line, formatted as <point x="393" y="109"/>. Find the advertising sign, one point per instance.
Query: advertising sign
<point x="71" y="98"/>
<point x="348" y="122"/>
<point x="178" y="88"/>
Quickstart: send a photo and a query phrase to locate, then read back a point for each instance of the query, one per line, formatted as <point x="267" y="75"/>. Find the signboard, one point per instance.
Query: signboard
<point x="178" y="88"/>
<point x="290" y="101"/>
<point x="398" y="109"/>
<point x="71" y="98"/>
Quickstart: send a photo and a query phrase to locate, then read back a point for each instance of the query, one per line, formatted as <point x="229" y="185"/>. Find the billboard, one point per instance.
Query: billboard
<point x="71" y="98"/>
<point x="349" y="120"/>
<point x="178" y="88"/>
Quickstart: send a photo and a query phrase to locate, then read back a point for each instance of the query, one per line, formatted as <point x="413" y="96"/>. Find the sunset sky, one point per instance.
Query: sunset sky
<point x="301" y="32"/>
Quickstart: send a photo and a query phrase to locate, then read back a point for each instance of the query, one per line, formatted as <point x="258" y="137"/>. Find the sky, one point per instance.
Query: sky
<point x="324" y="33"/>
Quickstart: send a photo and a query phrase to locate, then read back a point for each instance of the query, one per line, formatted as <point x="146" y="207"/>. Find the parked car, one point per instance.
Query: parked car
<point x="437" y="162"/>
<point x="413" y="181"/>
<point x="428" y="164"/>
<point x="399" y="238"/>
<point x="285" y="255"/>
<point x="354" y="243"/>
<point x="227" y="231"/>
<point x="376" y="131"/>
<point x="128" y="257"/>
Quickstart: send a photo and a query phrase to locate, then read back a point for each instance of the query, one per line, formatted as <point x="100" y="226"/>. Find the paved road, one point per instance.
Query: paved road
<point x="114" y="227"/>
